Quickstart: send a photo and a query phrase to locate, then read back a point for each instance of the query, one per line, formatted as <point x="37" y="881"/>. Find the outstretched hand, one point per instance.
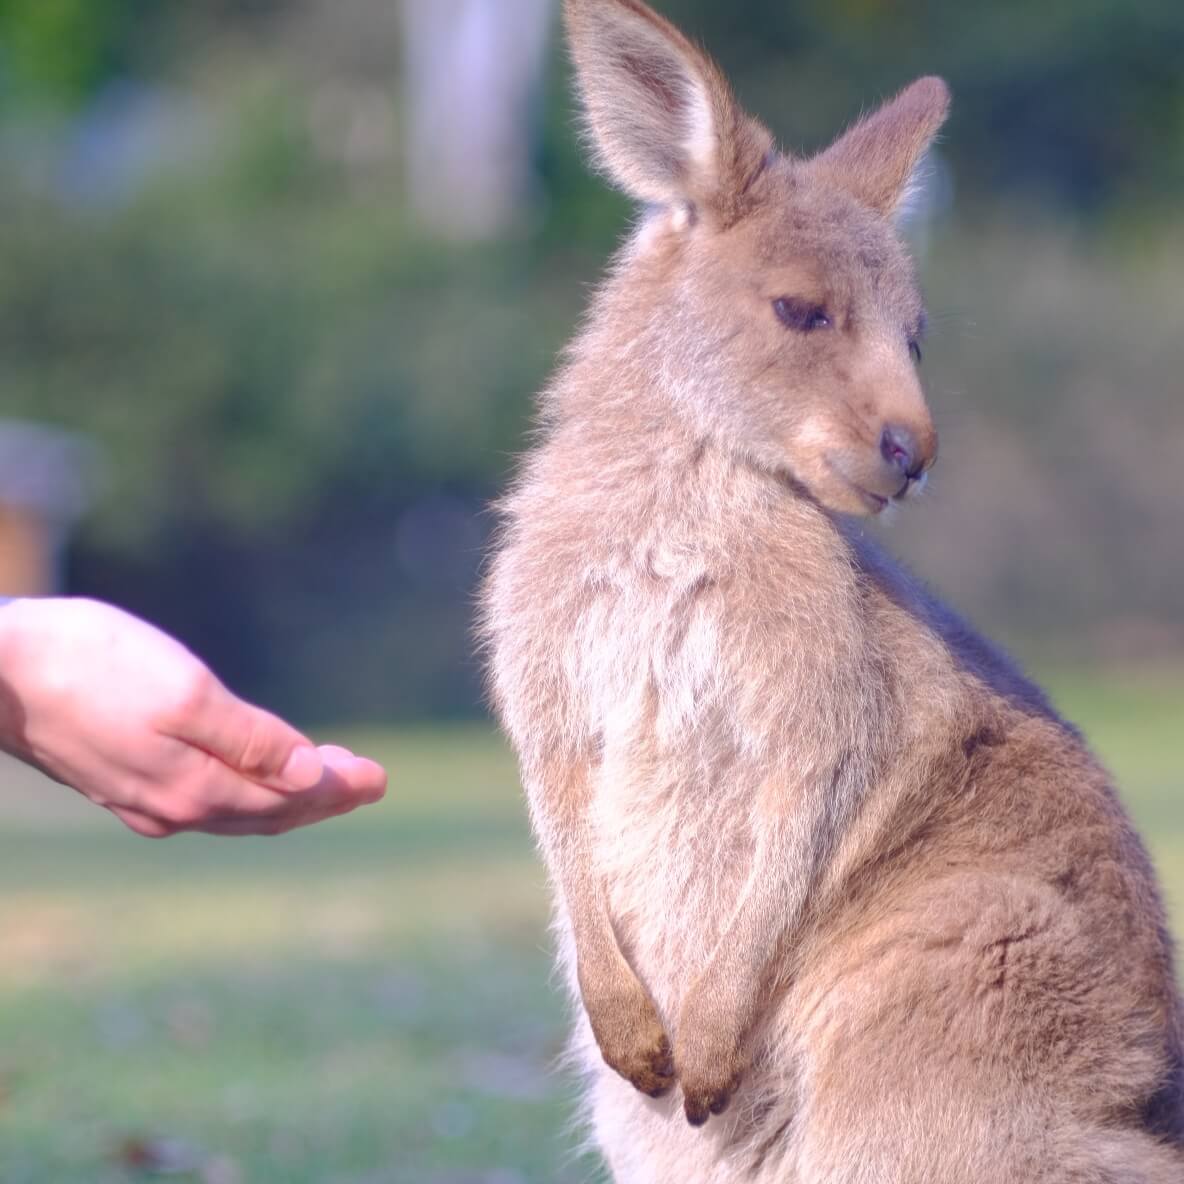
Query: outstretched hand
<point x="131" y="719"/>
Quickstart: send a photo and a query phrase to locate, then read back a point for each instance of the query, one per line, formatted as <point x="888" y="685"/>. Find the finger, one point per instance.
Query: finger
<point x="212" y="793"/>
<point x="365" y="777"/>
<point x="232" y="805"/>
<point x="141" y="824"/>
<point x="281" y="822"/>
<point x="347" y="783"/>
<point x="250" y="740"/>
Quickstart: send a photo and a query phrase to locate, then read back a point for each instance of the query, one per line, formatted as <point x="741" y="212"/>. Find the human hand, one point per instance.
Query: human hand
<point x="131" y="719"/>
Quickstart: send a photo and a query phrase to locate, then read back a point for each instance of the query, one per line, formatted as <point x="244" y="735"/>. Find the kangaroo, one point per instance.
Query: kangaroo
<point x="839" y="897"/>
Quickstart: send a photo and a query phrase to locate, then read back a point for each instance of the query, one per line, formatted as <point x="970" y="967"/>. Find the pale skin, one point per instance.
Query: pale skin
<point x="124" y="714"/>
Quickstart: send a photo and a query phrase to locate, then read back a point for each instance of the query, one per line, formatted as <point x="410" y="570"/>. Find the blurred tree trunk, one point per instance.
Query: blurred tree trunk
<point x="473" y="75"/>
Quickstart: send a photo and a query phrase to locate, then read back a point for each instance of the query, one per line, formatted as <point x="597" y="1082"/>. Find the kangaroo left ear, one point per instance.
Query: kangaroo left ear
<point x="876" y="160"/>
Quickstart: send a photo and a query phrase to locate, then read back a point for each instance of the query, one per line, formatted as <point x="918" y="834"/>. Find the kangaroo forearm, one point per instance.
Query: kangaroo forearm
<point x="796" y="833"/>
<point x="621" y="1013"/>
<point x="725" y="1003"/>
<point x="737" y="976"/>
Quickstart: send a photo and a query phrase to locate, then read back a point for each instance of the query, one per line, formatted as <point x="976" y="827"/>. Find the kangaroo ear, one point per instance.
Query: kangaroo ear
<point x="877" y="159"/>
<point x="663" y="120"/>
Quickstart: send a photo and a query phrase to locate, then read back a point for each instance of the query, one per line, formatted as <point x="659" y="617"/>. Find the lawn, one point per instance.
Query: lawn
<point x="369" y="1002"/>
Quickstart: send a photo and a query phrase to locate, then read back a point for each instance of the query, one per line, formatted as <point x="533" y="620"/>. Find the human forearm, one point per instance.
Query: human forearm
<point x="131" y="719"/>
<point x="12" y="678"/>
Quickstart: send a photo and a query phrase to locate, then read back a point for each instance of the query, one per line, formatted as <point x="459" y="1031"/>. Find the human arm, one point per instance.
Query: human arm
<point x="126" y="715"/>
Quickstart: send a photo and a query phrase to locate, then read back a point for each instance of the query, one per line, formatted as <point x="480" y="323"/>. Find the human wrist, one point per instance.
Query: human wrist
<point x="28" y="628"/>
<point x="13" y="644"/>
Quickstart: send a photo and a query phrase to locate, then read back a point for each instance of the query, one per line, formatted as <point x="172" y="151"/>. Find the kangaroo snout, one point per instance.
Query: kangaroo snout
<point x="909" y="452"/>
<point x="901" y="449"/>
<point x="861" y="467"/>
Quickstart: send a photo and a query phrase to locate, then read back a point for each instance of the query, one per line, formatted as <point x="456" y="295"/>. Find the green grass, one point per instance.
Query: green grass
<point x="369" y="1002"/>
<point x="1135" y="723"/>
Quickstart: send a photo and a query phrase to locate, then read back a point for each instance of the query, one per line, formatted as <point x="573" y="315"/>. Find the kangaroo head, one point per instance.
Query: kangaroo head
<point x="778" y="284"/>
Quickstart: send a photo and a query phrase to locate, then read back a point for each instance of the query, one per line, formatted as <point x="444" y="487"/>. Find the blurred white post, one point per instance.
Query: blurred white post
<point x="473" y="70"/>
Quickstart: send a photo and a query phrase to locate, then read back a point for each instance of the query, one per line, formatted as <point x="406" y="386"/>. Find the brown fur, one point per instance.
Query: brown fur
<point x="808" y="833"/>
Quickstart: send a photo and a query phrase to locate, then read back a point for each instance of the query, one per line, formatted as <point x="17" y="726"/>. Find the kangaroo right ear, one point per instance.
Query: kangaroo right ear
<point x="664" y="123"/>
<point x="876" y="160"/>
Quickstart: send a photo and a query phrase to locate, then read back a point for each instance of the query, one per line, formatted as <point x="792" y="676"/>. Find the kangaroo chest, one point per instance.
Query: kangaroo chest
<point x="644" y="659"/>
<point x="670" y="809"/>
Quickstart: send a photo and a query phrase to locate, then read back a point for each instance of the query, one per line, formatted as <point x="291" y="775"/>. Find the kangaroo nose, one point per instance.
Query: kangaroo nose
<point x="900" y="449"/>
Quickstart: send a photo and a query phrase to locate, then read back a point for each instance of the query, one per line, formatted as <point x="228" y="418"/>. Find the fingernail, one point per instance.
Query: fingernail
<point x="304" y="768"/>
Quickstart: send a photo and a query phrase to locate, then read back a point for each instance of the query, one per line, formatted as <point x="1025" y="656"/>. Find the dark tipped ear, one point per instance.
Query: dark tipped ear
<point x="876" y="160"/>
<point x="663" y="120"/>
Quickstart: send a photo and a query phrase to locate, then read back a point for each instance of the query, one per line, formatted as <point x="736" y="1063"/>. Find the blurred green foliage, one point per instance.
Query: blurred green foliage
<point x="1086" y="97"/>
<point x="244" y="351"/>
<point x="1076" y="101"/>
<point x="283" y="369"/>
<point x="61" y="50"/>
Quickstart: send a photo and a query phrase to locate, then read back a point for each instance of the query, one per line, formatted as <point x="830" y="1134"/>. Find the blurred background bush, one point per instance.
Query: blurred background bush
<point x="295" y="270"/>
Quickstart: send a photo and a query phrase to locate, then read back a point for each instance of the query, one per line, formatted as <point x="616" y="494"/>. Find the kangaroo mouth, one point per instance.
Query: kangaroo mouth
<point x="874" y="503"/>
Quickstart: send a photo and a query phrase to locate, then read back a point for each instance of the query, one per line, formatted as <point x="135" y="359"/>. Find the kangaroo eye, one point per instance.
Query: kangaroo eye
<point x="915" y="350"/>
<point x="801" y="315"/>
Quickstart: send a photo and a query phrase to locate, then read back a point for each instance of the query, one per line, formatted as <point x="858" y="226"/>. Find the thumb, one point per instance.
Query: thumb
<point x="252" y="741"/>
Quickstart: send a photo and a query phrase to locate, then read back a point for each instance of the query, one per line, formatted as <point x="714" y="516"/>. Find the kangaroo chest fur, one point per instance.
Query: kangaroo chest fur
<point x="672" y="793"/>
<point x="680" y="641"/>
